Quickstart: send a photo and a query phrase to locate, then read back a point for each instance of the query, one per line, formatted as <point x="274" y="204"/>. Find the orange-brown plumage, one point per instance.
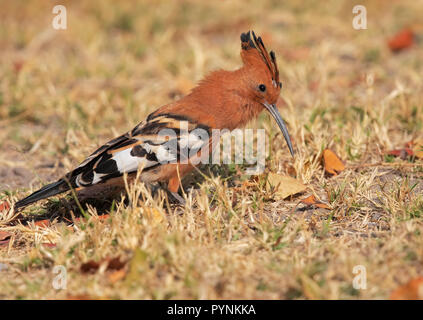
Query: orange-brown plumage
<point x="222" y="100"/>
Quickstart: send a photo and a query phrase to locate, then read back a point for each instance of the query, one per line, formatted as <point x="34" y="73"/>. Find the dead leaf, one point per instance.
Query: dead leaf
<point x="5" y="238"/>
<point x="402" y="40"/>
<point x="90" y="267"/>
<point x="419" y="153"/>
<point x="4" y="235"/>
<point x="413" y="290"/>
<point x="245" y="185"/>
<point x="283" y="186"/>
<point x="333" y="165"/>
<point x="311" y="200"/>
<point x="93" y="266"/>
<point x="103" y="217"/>
<point x="409" y="144"/>
<point x="4" y="206"/>
<point x="115" y="264"/>
<point x="43" y="223"/>
<point x="402" y="153"/>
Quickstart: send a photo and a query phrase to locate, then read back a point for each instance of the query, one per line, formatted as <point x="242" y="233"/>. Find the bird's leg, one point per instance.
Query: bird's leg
<point x="173" y="187"/>
<point x="178" y="197"/>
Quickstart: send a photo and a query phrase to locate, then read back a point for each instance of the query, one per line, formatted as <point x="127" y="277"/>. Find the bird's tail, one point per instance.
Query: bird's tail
<point x="45" y="192"/>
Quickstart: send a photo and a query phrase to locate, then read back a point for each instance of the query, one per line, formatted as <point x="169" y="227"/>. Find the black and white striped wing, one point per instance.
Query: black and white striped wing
<point x="159" y="140"/>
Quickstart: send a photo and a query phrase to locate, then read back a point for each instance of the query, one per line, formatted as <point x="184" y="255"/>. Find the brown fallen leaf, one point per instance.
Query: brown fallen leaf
<point x="93" y="266"/>
<point x="419" y="153"/>
<point x="283" y="186"/>
<point x="43" y="223"/>
<point x="413" y="290"/>
<point x="245" y="185"/>
<point x="4" y="243"/>
<point x="311" y="200"/>
<point x="90" y="267"/>
<point x="402" y="40"/>
<point x="116" y="264"/>
<point x="5" y="238"/>
<point x="4" y="235"/>
<point x="409" y="144"/>
<point x="4" y="206"/>
<point x="402" y="153"/>
<point x="333" y="165"/>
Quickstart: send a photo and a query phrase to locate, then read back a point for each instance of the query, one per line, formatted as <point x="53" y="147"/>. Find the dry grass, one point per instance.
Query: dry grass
<point x="62" y="93"/>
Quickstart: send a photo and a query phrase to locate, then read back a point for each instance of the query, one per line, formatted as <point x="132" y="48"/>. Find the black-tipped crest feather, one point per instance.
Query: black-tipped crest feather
<point x="248" y="43"/>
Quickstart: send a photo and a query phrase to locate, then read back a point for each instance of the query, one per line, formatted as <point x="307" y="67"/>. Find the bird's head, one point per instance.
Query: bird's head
<point x="261" y="78"/>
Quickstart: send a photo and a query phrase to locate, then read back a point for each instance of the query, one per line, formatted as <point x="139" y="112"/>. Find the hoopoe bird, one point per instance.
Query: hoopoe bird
<point x="222" y="100"/>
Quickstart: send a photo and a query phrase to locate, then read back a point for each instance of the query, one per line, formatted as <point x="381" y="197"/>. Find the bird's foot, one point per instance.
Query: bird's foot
<point x="178" y="198"/>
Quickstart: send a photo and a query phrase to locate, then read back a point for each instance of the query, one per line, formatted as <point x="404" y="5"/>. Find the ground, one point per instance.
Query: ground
<point x="65" y="92"/>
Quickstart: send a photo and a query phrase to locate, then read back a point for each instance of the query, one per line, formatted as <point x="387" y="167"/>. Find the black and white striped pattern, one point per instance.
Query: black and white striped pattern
<point x="161" y="139"/>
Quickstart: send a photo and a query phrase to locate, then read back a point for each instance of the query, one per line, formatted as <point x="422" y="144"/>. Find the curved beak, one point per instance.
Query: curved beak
<point x="275" y="113"/>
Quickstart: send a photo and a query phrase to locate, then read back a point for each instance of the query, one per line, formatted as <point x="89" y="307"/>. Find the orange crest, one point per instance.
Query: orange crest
<point x="254" y="52"/>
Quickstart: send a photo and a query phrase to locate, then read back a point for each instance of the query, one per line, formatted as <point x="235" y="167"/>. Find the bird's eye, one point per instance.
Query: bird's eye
<point x="262" y="88"/>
